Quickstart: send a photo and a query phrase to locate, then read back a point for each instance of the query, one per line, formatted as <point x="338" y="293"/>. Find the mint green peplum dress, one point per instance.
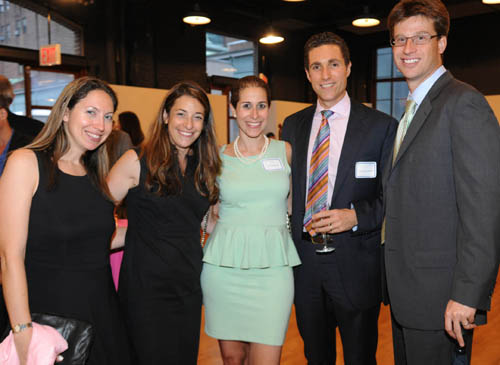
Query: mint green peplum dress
<point x="247" y="277"/>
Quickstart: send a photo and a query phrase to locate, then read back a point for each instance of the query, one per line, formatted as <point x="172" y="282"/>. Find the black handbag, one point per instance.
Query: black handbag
<point x="79" y="335"/>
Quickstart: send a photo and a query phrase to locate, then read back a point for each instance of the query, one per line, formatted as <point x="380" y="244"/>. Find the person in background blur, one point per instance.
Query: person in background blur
<point x="27" y="126"/>
<point x="129" y="122"/>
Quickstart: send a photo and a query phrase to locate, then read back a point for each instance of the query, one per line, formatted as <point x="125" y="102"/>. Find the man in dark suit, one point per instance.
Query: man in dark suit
<point x="341" y="288"/>
<point x="442" y="195"/>
<point x="27" y="126"/>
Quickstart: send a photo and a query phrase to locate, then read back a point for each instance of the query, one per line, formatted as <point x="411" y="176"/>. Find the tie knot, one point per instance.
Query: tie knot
<point x="326" y="114"/>
<point x="410" y="106"/>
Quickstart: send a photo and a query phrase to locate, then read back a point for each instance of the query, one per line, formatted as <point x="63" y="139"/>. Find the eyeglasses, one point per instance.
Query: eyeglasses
<point x="418" y="39"/>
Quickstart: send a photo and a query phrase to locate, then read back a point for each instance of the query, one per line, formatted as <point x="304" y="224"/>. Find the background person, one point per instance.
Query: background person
<point x="56" y="223"/>
<point x="129" y="122"/>
<point x="343" y="288"/>
<point x="169" y="187"/>
<point x="442" y="194"/>
<point x="247" y="276"/>
<point x="27" y="126"/>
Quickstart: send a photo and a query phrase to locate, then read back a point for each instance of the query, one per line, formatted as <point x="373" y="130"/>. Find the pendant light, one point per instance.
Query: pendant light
<point x="366" y="19"/>
<point x="271" y="37"/>
<point x="196" y="17"/>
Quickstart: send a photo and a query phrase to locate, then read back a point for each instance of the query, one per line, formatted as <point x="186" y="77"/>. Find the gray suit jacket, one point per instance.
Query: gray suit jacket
<point x="442" y="200"/>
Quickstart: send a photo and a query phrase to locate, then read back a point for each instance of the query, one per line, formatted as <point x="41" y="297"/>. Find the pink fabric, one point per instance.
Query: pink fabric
<point x="116" y="257"/>
<point x="46" y="343"/>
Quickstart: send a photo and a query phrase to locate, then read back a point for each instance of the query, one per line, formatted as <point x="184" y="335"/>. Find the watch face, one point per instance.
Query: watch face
<point x="17" y="328"/>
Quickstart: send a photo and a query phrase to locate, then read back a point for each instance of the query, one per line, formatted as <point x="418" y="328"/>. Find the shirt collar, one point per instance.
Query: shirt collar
<point x="341" y="108"/>
<point x="421" y="91"/>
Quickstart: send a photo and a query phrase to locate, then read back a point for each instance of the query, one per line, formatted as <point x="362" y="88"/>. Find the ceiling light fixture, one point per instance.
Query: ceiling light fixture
<point x="196" y="17"/>
<point x="366" y="19"/>
<point x="491" y="1"/>
<point x="271" y="37"/>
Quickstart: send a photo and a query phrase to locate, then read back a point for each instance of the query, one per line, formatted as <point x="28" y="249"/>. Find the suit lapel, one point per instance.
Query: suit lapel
<point x="302" y="145"/>
<point x="352" y="142"/>
<point x="421" y="115"/>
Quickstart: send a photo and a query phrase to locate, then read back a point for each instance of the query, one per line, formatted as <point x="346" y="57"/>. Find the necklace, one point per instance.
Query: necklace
<point x="247" y="160"/>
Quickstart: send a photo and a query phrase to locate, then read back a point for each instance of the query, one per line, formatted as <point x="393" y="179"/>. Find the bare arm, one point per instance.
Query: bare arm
<point x="124" y="175"/>
<point x="17" y="187"/>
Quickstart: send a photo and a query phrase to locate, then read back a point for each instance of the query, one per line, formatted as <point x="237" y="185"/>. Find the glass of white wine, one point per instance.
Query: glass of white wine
<point x="322" y="238"/>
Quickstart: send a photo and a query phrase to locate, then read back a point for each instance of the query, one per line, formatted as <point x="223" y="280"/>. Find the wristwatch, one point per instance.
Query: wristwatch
<point x="21" y="327"/>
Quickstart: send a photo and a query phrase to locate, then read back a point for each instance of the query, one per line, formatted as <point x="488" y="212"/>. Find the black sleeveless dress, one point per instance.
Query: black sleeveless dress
<point x="159" y="283"/>
<point x="67" y="261"/>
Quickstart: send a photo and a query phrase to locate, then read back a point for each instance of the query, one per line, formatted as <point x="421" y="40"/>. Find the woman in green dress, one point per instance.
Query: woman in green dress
<point x="247" y="277"/>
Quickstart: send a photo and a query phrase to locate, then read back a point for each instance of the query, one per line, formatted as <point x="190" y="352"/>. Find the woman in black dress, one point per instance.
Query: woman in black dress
<point x="56" y="224"/>
<point x="169" y="187"/>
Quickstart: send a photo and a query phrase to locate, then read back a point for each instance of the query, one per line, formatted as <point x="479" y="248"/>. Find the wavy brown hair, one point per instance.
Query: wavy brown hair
<point x="164" y="176"/>
<point x="54" y="143"/>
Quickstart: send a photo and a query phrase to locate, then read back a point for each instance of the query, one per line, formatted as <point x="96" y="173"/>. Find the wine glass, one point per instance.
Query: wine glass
<point x="322" y="238"/>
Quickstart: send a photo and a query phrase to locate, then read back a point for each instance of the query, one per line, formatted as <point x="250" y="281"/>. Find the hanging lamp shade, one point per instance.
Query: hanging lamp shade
<point x="271" y="37"/>
<point x="196" y="17"/>
<point x="366" y="19"/>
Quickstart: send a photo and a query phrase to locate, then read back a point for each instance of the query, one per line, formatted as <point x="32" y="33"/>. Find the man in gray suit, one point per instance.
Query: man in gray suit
<point x="442" y="195"/>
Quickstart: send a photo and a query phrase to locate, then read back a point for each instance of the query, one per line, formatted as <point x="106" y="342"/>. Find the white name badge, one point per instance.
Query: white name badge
<point x="366" y="170"/>
<point x="272" y="164"/>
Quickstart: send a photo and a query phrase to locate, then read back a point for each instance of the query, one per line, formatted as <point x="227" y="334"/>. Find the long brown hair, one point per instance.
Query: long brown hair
<point x="163" y="176"/>
<point x="53" y="141"/>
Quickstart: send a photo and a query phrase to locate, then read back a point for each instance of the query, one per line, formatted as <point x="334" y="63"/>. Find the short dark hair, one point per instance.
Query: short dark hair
<point x="432" y="9"/>
<point x="249" y="81"/>
<point x="322" y="39"/>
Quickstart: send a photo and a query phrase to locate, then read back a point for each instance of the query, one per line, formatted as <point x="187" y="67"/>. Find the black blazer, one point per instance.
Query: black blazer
<point x="369" y="137"/>
<point x="442" y="206"/>
<point x="27" y="126"/>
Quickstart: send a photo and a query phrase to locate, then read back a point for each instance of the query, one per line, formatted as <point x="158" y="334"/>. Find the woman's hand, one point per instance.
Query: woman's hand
<point x="22" y="341"/>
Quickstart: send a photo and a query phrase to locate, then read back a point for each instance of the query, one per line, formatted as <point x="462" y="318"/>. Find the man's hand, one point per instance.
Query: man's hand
<point x="456" y="316"/>
<point x="334" y="221"/>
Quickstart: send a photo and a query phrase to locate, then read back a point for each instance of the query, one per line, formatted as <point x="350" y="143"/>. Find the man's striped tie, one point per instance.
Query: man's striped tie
<point x="317" y="194"/>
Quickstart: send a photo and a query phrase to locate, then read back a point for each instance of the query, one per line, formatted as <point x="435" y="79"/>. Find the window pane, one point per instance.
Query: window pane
<point x="40" y="114"/>
<point x="400" y="89"/>
<point x="228" y="56"/>
<point x="383" y="90"/>
<point x="384" y="63"/>
<point x="24" y="28"/>
<point x="46" y="87"/>
<point x="384" y="106"/>
<point x="14" y="72"/>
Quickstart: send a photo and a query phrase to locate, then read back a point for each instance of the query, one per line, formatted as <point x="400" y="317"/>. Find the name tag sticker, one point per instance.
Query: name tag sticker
<point x="272" y="164"/>
<point x="366" y="170"/>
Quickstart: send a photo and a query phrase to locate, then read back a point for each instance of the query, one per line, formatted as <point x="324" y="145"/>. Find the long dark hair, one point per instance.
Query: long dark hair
<point x="163" y="175"/>
<point x="53" y="141"/>
<point x="129" y="122"/>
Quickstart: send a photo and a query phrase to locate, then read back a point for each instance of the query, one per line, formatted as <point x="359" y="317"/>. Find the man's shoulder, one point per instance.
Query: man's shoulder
<point x="24" y="124"/>
<point x="304" y="113"/>
<point x="360" y="110"/>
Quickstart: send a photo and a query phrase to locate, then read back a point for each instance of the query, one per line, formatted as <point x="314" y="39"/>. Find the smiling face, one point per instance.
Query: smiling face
<point x="328" y="74"/>
<point x="417" y="62"/>
<point x="90" y="121"/>
<point x="185" y="122"/>
<point x="252" y="111"/>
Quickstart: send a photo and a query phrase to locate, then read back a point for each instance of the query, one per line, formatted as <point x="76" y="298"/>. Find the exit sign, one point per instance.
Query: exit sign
<point x="50" y="55"/>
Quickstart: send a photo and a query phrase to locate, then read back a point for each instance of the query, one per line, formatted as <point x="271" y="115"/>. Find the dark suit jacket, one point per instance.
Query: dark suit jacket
<point x="27" y="126"/>
<point x="369" y="137"/>
<point x="443" y="207"/>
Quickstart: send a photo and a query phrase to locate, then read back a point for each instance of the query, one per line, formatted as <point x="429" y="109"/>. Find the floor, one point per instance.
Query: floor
<point x="486" y="345"/>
